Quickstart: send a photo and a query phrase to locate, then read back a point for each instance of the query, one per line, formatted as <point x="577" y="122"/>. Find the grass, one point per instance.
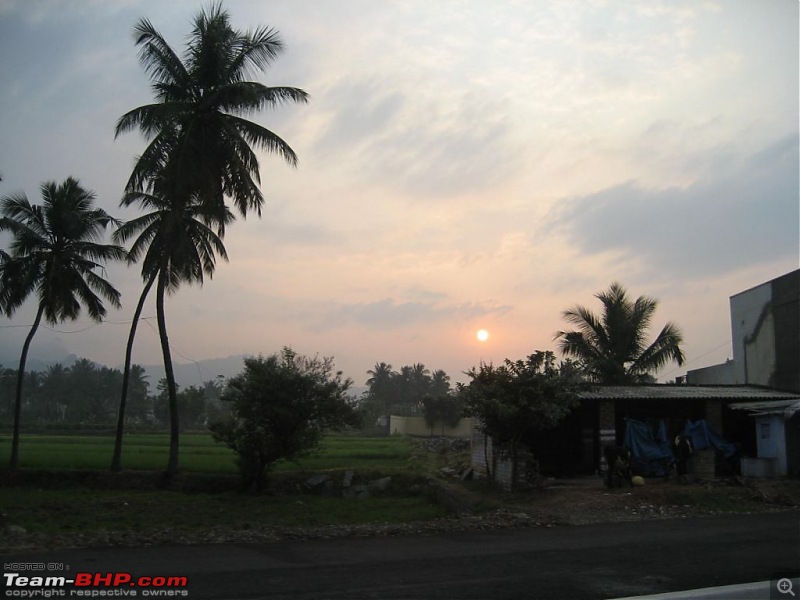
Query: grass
<point x="65" y="486"/>
<point x="198" y="454"/>
<point x="82" y="510"/>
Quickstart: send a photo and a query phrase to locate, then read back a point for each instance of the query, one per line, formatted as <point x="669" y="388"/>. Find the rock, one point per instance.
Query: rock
<point x="316" y="480"/>
<point x="448" y="472"/>
<point x="356" y="491"/>
<point x="348" y="479"/>
<point x="380" y="484"/>
<point x="328" y="490"/>
<point x="15" y="530"/>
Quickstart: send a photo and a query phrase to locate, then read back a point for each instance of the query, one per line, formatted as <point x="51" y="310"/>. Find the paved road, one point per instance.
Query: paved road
<point x="594" y="561"/>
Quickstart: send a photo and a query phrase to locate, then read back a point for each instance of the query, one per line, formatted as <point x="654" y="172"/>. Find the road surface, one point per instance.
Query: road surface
<point x="592" y="561"/>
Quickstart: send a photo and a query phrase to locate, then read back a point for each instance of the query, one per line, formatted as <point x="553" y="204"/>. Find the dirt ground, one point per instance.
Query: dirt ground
<point x="558" y="503"/>
<point x="582" y="501"/>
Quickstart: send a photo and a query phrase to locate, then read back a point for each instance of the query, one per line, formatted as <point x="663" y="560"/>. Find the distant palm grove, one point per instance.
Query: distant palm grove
<point x="197" y="173"/>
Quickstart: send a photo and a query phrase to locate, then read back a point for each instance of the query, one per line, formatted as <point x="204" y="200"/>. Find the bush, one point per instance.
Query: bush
<point x="281" y="406"/>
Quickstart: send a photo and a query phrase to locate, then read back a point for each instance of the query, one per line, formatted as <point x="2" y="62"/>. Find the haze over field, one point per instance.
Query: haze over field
<point x="462" y="167"/>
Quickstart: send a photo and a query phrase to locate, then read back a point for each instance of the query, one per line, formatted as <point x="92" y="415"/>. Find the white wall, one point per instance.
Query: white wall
<point x="754" y="361"/>
<point x="771" y="440"/>
<point x="722" y="374"/>
<point x="417" y="426"/>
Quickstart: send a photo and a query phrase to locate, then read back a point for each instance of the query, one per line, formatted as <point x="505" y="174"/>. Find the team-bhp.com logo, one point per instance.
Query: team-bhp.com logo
<point x="94" y="585"/>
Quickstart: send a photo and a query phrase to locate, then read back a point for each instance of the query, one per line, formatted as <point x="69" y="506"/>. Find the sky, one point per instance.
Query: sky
<point x="462" y="166"/>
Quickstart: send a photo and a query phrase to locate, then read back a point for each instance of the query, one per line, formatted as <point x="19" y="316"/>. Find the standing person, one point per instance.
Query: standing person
<point x="682" y="449"/>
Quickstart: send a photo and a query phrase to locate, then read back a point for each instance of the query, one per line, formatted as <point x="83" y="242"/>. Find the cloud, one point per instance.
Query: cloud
<point x="415" y="141"/>
<point x="742" y="213"/>
<point x="389" y="314"/>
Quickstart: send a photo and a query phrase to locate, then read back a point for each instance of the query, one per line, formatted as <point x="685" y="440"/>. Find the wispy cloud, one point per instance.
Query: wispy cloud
<point x="743" y="213"/>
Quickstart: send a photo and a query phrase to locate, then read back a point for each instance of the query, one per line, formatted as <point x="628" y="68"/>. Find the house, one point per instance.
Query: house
<point x="765" y="334"/>
<point x="575" y="446"/>
<point x="740" y="400"/>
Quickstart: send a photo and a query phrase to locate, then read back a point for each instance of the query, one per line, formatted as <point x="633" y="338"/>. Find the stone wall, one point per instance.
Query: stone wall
<point x="481" y="447"/>
<point x="502" y="468"/>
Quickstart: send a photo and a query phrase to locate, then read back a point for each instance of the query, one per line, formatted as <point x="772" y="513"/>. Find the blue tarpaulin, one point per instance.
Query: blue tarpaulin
<point x="704" y="437"/>
<point x="651" y="451"/>
<point x="651" y="448"/>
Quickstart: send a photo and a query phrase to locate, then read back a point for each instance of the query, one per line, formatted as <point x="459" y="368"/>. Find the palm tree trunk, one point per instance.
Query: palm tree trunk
<point x="116" y="460"/>
<point x="14" y="462"/>
<point x="172" y="462"/>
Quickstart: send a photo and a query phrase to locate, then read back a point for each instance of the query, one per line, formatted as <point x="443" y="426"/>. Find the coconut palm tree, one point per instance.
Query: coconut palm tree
<point x="177" y="243"/>
<point x="440" y="383"/>
<point x="613" y="346"/>
<point x="55" y="254"/>
<point x="196" y="125"/>
<point x="198" y="137"/>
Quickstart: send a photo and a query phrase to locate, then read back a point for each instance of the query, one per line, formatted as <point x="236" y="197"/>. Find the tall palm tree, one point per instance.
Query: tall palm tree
<point x="196" y="125"/>
<point x="198" y="138"/>
<point x="177" y="243"/>
<point x="613" y="346"/>
<point x="54" y="253"/>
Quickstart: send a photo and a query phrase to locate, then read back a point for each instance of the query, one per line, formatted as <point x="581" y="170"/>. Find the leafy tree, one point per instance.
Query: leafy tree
<point x="613" y="346"/>
<point x="517" y="399"/>
<point x="280" y="408"/>
<point x="139" y="406"/>
<point x="55" y="387"/>
<point x="192" y="407"/>
<point x="54" y="253"/>
<point x="8" y="378"/>
<point x="443" y="410"/>
<point x="199" y="141"/>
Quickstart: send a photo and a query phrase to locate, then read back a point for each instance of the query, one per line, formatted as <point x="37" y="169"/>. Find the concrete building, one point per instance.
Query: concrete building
<point x="765" y="334"/>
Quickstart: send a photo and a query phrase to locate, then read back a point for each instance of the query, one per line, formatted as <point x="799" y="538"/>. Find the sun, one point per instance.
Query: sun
<point x="482" y="335"/>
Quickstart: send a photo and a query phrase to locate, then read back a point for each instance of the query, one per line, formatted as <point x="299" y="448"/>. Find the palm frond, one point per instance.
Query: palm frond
<point x="159" y="60"/>
<point x="263" y="138"/>
<point x="664" y="349"/>
<point x="256" y="50"/>
<point x="613" y="346"/>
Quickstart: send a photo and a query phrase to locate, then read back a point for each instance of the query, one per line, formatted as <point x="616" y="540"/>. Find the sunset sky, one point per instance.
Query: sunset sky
<point x="462" y="166"/>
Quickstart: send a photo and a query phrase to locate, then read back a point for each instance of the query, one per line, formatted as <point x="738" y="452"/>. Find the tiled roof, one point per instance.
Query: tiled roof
<point x="686" y="392"/>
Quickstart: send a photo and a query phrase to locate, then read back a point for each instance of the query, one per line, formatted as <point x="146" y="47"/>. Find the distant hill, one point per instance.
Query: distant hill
<point x="198" y="372"/>
<point x="35" y="363"/>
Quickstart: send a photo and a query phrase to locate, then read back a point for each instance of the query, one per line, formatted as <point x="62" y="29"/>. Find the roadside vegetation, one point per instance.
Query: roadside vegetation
<point x="63" y="487"/>
<point x="81" y="503"/>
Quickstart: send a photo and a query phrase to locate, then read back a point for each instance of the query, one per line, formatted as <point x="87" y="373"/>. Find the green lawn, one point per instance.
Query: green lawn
<point x="199" y="453"/>
<point x="68" y="487"/>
